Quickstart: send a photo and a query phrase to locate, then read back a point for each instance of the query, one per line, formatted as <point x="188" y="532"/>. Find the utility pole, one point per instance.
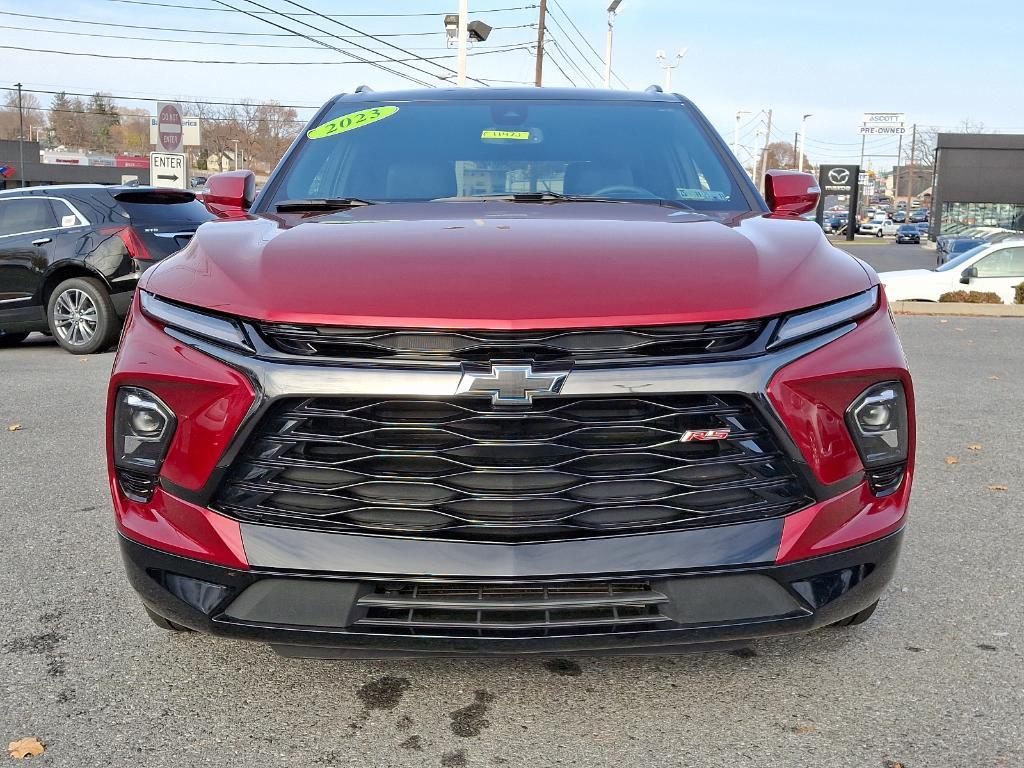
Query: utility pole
<point x="612" y="8"/>
<point x="910" y="170"/>
<point x="21" y="138"/>
<point x="896" y="176"/>
<point x="767" y="141"/>
<point x="796" y="145"/>
<point x="803" y="142"/>
<point x="539" y="76"/>
<point x="463" y="41"/>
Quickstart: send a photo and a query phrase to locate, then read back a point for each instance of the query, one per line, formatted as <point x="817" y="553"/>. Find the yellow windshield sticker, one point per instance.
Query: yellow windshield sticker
<point x="351" y="121"/>
<point x="500" y="135"/>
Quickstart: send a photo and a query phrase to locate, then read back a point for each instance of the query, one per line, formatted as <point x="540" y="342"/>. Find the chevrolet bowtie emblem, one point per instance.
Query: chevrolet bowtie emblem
<point x="511" y="384"/>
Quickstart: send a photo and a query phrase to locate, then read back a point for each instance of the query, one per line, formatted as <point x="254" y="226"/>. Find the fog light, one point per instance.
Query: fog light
<point x="143" y="428"/>
<point x="878" y="423"/>
<point x="147" y="422"/>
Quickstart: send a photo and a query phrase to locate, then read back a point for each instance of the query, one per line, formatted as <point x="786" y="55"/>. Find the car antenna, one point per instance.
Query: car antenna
<point x="653" y="89"/>
<point x="364" y="89"/>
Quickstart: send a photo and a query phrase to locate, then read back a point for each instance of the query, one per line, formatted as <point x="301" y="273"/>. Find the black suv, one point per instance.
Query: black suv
<point x="70" y="256"/>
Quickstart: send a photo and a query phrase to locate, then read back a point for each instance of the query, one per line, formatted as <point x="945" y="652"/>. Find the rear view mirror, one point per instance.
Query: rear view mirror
<point x="791" y="193"/>
<point x="967" y="274"/>
<point x="230" y="194"/>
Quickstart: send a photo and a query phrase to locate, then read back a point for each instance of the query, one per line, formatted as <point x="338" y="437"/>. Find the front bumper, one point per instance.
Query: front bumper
<point x="317" y="614"/>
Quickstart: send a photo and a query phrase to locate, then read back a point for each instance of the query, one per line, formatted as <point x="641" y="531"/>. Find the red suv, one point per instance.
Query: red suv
<point x="509" y="371"/>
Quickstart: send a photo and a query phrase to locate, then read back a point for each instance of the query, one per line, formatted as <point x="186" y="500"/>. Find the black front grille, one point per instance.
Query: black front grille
<point x="464" y="468"/>
<point x="602" y="344"/>
<point x="137" y="486"/>
<point x="455" y="609"/>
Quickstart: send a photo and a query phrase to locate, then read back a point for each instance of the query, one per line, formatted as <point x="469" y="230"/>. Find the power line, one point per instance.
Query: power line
<point x="179" y="6"/>
<point x="360" y="32"/>
<point x="258" y="63"/>
<point x="559" y="67"/>
<point x="357" y="57"/>
<point x="220" y="32"/>
<point x="586" y="60"/>
<point x="571" y="61"/>
<point x="218" y="43"/>
<point x="583" y="37"/>
<point x="153" y="98"/>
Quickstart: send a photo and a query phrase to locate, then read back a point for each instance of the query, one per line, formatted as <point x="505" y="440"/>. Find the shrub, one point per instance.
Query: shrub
<point x="1019" y="295"/>
<point x="972" y="297"/>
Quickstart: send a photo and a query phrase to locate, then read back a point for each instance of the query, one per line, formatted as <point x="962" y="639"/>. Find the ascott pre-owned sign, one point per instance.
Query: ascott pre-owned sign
<point x="883" y="123"/>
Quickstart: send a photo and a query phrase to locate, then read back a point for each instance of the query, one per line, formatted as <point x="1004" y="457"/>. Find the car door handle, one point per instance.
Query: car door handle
<point x="42" y="241"/>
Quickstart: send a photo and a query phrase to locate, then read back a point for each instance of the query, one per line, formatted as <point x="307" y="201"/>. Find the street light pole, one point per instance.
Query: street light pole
<point x="803" y="138"/>
<point x="236" y="153"/>
<point x="463" y="40"/>
<point x="660" y="56"/>
<point x="612" y="9"/>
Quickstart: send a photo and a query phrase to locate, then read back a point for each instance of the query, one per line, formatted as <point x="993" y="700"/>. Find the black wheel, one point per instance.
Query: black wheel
<point x="81" y="316"/>
<point x="11" y="339"/>
<point x="878" y="233"/>
<point x="163" y="623"/>
<point x="857" y="618"/>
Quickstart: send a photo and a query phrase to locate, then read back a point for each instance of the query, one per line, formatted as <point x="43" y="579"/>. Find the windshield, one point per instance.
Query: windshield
<point x="961" y="258"/>
<point x="426" y="150"/>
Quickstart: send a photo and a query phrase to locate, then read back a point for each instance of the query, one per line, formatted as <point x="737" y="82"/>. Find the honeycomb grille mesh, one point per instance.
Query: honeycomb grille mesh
<point x="463" y="468"/>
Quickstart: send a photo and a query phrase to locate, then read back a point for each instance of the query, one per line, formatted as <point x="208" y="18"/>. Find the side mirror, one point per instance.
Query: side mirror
<point x="231" y="193"/>
<point x="967" y="274"/>
<point x="791" y="193"/>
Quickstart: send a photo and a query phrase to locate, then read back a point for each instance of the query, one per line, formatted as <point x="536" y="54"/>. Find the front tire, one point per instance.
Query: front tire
<point x="82" y="316"/>
<point x="878" y="233"/>
<point x="12" y="339"/>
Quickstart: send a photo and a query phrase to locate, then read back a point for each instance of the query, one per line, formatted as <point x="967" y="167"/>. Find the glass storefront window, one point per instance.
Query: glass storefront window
<point x="957" y="217"/>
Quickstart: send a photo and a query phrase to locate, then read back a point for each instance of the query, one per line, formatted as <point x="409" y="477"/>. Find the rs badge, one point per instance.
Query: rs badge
<point x="691" y="435"/>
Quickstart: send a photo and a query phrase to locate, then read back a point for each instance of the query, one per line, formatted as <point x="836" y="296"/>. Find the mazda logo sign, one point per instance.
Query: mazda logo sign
<point x="839" y="175"/>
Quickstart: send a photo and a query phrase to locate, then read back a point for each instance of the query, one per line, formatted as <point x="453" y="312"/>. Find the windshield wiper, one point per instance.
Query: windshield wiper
<point x="322" y="204"/>
<point x="547" y="197"/>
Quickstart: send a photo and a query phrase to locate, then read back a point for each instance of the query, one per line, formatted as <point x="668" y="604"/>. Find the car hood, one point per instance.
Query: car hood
<point x="508" y="266"/>
<point x="906" y="274"/>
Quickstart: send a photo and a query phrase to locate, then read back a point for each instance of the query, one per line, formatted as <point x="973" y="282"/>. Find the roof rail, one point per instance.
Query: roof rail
<point x="364" y="89"/>
<point x="653" y="89"/>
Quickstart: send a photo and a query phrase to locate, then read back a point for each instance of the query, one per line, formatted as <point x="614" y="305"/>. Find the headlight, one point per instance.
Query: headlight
<point x="878" y="422"/>
<point x="213" y="327"/>
<point x="815" y="321"/>
<point x="143" y="428"/>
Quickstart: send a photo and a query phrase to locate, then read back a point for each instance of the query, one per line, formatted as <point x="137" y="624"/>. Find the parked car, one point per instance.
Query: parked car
<point x="997" y="267"/>
<point x="900" y="217"/>
<point x="908" y="233"/>
<point x="835" y="224"/>
<point x="396" y="406"/>
<point x="956" y="246"/>
<point x="878" y="228"/>
<point x="198" y="182"/>
<point x="920" y="215"/>
<point x="70" y="256"/>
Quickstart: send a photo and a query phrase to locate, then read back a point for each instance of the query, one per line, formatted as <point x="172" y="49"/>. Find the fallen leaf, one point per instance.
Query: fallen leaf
<point x="974" y="446"/>
<point x="997" y="487"/>
<point x="893" y="764"/>
<point x="952" y="460"/>
<point x="943" y="321"/>
<point x="14" y="428"/>
<point x="961" y="330"/>
<point x="993" y="378"/>
<point x="83" y="359"/>
<point x="803" y="729"/>
<point x="30" y="746"/>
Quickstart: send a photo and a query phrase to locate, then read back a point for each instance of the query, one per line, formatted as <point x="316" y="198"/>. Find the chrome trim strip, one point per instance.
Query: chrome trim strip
<point x="750" y="376"/>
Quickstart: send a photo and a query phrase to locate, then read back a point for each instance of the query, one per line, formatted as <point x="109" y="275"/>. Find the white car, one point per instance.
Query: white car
<point x="878" y="228"/>
<point x="995" y="267"/>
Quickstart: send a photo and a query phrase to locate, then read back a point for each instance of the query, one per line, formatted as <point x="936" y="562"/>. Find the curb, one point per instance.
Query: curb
<point x="957" y="309"/>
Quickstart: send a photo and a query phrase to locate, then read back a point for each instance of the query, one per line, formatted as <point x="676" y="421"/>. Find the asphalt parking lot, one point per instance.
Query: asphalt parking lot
<point x="935" y="679"/>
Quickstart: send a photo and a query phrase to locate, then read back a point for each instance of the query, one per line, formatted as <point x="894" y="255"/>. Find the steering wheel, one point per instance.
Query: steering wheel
<point x="626" y="190"/>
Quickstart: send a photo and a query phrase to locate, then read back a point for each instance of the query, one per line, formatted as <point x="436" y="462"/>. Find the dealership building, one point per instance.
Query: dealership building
<point x="979" y="181"/>
<point x="43" y="167"/>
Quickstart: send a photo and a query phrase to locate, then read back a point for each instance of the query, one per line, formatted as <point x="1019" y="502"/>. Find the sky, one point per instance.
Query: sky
<point x="940" y="62"/>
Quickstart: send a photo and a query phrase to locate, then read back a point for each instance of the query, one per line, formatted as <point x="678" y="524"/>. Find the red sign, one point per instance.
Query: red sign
<point x="169" y="130"/>
<point x="132" y="161"/>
